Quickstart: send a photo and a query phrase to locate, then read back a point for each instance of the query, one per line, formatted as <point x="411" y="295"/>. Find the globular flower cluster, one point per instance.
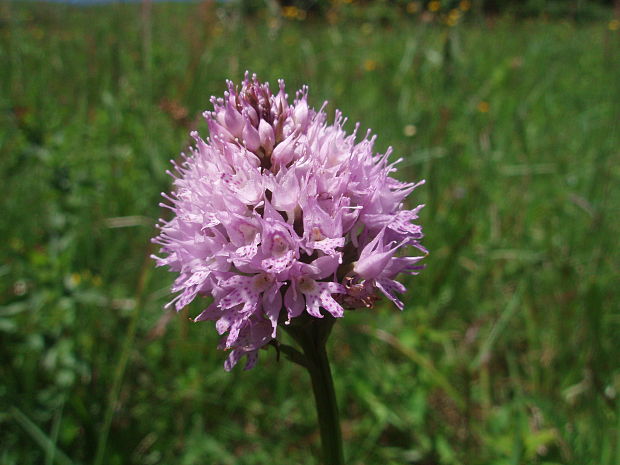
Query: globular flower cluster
<point x="279" y="214"/>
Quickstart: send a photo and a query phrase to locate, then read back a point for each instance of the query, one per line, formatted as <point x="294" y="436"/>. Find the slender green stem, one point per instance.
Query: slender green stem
<point x="312" y="338"/>
<point x="326" y="405"/>
<point x="121" y="365"/>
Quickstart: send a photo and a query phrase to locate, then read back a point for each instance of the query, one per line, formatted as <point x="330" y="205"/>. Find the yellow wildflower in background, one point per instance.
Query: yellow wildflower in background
<point x="289" y="12"/>
<point x="453" y="17"/>
<point x="464" y="5"/>
<point x="483" y="107"/>
<point x="292" y="12"/>
<point x="75" y="279"/>
<point x="435" y="5"/>
<point x="614" y="25"/>
<point x="370" y="65"/>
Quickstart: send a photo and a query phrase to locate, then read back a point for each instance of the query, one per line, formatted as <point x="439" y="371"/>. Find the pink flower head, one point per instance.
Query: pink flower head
<point x="280" y="214"/>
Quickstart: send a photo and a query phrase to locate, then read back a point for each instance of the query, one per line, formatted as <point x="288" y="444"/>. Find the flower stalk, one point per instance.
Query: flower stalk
<point x="312" y="338"/>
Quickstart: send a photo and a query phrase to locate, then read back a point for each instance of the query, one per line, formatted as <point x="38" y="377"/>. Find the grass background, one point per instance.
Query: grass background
<point x="508" y="349"/>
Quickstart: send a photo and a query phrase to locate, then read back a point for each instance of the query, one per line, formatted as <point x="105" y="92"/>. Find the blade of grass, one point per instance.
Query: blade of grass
<point x="121" y="365"/>
<point x="46" y="443"/>
<point x="420" y="360"/>
<point x="498" y="328"/>
<point x="51" y="452"/>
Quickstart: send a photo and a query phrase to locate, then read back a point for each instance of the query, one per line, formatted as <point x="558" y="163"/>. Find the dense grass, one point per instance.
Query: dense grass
<point x="507" y="351"/>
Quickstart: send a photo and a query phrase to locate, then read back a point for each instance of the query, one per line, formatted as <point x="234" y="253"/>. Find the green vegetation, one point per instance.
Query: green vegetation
<point x="507" y="351"/>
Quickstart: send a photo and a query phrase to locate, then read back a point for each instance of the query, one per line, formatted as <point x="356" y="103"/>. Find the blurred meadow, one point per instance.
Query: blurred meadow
<point x="508" y="350"/>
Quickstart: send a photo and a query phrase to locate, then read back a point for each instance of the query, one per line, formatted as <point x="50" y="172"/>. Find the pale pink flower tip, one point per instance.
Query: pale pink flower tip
<point x="278" y="214"/>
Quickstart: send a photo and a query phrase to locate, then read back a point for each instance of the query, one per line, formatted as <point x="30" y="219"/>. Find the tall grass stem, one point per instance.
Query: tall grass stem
<point x="123" y="359"/>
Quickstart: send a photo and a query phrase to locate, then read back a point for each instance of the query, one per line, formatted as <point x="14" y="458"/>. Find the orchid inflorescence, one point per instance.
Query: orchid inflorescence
<point x="279" y="214"/>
